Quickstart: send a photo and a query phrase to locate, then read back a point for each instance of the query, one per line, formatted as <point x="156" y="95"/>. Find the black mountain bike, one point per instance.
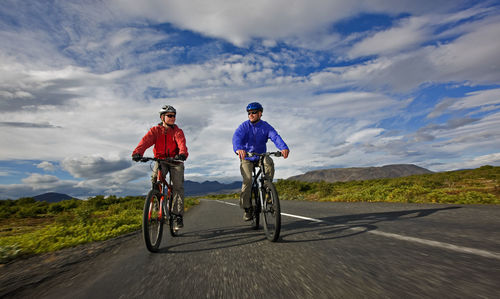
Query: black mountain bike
<point x="264" y="199"/>
<point x="158" y="207"/>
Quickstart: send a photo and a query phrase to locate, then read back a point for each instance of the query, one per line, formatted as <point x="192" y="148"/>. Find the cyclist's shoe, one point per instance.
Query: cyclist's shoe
<point x="178" y="223"/>
<point x="247" y="216"/>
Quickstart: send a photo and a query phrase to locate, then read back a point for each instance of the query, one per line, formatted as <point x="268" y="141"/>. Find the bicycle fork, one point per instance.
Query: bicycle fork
<point x="162" y="211"/>
<point x="164" y="204"/>
<point x="260" y="191"/>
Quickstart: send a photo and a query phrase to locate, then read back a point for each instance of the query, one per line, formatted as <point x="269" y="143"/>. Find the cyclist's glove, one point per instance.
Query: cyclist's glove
<point x="136" y="157"/>
<point x="181" y="157"/>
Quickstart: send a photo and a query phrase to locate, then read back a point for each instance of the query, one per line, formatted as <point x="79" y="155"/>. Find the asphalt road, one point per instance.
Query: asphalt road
<point x="339" y="250"/>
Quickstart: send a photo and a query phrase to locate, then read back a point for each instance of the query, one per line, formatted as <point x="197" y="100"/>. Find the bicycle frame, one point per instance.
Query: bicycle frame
<point x="165" y="194"/>
<point x="259" y="177"/>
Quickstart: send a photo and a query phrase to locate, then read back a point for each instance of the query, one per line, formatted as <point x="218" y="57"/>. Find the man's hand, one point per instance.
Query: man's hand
<point x="181" y="157"/>
<point x="136" y="157"/>
<point x="285" y="153"/>
<point x="242" y="154"/>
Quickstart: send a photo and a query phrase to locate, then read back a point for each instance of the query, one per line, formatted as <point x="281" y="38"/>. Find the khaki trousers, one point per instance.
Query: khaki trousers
<point x="177" y="176"/>
<point x="246" y="168"/>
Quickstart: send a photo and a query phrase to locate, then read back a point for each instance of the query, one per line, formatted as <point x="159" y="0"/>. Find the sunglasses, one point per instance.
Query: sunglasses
<point x="252" y="112"/>
<point x="170" y="115"/>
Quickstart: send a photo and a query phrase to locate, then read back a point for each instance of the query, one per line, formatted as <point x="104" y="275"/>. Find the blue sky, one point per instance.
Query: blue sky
<point x="345" y="83"/>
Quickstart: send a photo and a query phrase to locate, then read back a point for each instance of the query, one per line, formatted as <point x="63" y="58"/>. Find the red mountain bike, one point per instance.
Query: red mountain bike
<point x="158" y="207"/>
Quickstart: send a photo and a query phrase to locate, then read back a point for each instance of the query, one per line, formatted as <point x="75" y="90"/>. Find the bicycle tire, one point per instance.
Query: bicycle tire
<point x="271" y="212"/>
<point x="171" y="219"/>
<point x="152" y="222"/>
<point x="255" y="208"/>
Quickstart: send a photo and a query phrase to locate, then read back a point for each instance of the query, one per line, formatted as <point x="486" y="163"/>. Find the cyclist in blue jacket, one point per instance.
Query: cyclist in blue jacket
<point x="251" y="136"/>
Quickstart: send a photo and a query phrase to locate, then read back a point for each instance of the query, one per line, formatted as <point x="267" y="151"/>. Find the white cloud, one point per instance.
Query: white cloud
<point x="47" y="166"/>
<point x="36" y="179"/>
<point x="364" y="135"/>
<point x="477" y="99"/>
<point x="93" y="166"/>
<point x="240" y="21"/>
<point x="490" y="159"/>
<point x="408" y="34"/>
<point x="486" y="100"/>
<point x="463" y="59"/>
<point x="353" y="104"/>
<point x="456" y="61"/>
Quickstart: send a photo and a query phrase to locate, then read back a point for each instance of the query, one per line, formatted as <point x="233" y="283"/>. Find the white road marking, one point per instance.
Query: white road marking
<point x="227" y="203"/>
<point x="462" y="249"/>
<point x="302" y="217"/>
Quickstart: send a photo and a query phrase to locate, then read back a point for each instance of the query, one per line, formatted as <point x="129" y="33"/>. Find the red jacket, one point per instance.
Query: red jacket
<point x="168" y="142"/>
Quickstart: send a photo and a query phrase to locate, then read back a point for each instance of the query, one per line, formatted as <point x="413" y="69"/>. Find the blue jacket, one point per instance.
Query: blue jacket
<point x="253" y="138"/>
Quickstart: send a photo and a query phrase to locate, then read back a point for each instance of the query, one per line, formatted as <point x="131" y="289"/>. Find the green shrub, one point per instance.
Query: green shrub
<point x="84" y="212"/>
<point x="32" y="210"/>
<point x="25" y="201"/>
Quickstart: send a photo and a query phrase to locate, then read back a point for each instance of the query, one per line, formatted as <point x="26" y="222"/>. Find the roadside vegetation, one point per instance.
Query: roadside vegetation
<point x="30" y="227"/>
<point x="476" y="186"/>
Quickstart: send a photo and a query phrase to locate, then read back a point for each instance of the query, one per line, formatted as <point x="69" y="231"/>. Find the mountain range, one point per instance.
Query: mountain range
<point x="209" y="187"/>
<point x="190" y="189"/>
<point x="360" y="173"/>
<point x="52" y="197"/>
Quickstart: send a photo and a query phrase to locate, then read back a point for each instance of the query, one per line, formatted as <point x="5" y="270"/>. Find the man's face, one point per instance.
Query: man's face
<point x="254" y="115"/>
<point x="169" y="118"/>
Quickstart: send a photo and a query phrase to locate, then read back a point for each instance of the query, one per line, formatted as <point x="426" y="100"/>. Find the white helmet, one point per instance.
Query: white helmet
<point x="167" y="108"/>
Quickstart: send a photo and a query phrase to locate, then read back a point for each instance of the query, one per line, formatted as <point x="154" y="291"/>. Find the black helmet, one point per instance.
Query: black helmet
<point x="167" y="108"/>
<point x="255" y="106"/>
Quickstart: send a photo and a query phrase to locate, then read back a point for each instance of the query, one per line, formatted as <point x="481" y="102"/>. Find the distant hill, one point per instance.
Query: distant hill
<point x="190" y="189"/>
<point x="194" y="188"/>
<point x="52" y="197"/>
<point x="360" y="173"/>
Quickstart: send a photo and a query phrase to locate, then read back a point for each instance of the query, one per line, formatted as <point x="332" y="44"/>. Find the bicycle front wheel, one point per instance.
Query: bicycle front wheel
<point x="152" y="222"/>
<point x="171" y="219"/>
<point x="271" y="212"/>
<point x="255" y="208"/>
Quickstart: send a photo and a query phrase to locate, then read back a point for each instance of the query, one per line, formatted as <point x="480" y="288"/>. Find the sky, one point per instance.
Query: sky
<point x="345" y="83"/>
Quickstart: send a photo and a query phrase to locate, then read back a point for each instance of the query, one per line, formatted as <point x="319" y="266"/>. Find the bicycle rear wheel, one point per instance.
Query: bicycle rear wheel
<point x="255" y="208"/>
<point x="152" y="222"/>
<point x="271" y="212"/>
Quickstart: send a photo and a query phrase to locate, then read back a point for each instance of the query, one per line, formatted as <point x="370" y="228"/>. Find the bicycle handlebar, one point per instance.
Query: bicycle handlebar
<point x="168" y="159"/>
<point x="276" y="154"/>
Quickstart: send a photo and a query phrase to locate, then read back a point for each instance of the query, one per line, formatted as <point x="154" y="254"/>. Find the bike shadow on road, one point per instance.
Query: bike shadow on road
<point x="342" y="226"/>
<point x="212" y="239"/>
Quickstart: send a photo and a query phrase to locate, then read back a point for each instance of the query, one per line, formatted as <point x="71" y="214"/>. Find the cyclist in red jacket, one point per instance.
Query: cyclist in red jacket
<point x="169" y="141"/>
